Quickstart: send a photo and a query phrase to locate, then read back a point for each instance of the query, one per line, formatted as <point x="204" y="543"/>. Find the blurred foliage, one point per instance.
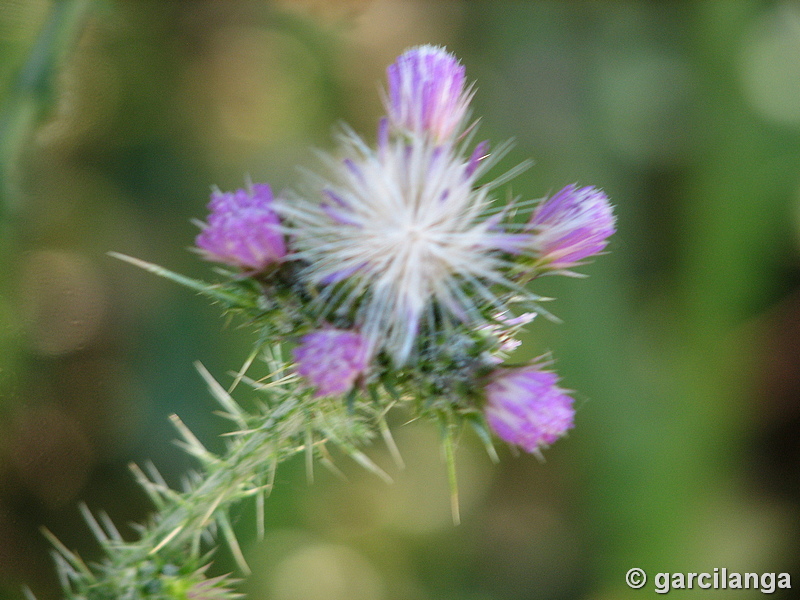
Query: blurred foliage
<point x="683" y="344"/>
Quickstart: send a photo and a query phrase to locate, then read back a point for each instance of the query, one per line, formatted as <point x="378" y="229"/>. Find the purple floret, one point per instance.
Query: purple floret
<point x="526" y="408"/>
<point x="571" y="226"/>
<point x="243" y="230"/>
<point x="332" y="359"/>
<point x="427" y="92"/>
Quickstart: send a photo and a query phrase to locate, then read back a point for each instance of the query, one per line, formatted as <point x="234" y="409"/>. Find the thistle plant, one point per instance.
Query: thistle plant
<point x="393" y="279"/>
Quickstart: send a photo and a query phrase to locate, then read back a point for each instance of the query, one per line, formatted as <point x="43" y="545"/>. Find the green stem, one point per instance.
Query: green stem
<point x="33" y="90"/>
<point x="450" y="459"/>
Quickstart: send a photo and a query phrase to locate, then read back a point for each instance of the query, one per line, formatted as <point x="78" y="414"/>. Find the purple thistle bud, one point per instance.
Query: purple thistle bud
<point x="525" y="407"/>
<point x="426" y="92"/>
<point x="332" y="359"/>
<point x="572" y="225"/>
<point x="242" y="230"/>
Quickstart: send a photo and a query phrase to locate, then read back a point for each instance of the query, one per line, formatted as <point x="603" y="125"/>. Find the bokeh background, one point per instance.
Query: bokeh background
<point x="683" y="343"/>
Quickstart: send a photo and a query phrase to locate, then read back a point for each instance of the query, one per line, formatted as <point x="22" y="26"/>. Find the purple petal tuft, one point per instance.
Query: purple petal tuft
<point x="426" y="92"/>
<point x="243" y="230"/>
<point x="525" y="407"/>
<point x="572" y="225"/>
<point x="332" y="359"/>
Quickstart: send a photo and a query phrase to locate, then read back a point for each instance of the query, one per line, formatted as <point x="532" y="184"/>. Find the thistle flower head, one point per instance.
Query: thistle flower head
<point x="525" y="407"/>
<point x="331" y="359"/>
<point x="571" y="226"/>
<point x="402" y="232"/>
<point x="405" y="233"/>
<point x="242" y="230"/>
<point x="427" y="93"/>
<point x="403" y="272"/>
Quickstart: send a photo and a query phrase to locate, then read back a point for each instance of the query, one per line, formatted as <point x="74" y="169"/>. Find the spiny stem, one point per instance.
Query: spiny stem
<point x="210" y="291"/>
<point x="388" y="439"/>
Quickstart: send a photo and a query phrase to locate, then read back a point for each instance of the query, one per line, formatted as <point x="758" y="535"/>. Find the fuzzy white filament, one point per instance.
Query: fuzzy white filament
<point x="405" y="230"/>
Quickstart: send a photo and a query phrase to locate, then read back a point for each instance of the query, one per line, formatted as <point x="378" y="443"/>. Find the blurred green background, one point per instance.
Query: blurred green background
<point x="683" y="344"/>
